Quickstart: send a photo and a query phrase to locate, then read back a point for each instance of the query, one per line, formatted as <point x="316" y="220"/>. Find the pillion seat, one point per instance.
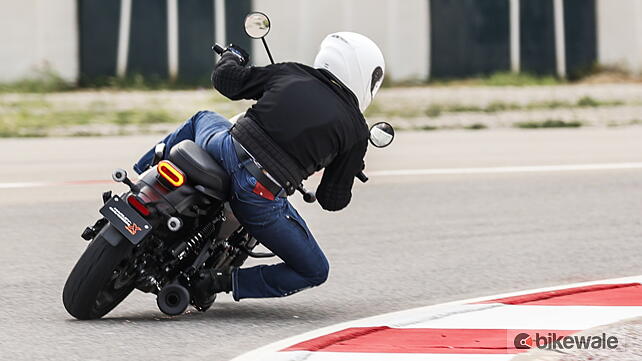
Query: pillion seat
<point x="199" y="167"/>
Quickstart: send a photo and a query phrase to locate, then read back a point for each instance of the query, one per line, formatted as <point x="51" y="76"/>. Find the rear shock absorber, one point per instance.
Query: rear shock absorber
<point x="185" y="247"/>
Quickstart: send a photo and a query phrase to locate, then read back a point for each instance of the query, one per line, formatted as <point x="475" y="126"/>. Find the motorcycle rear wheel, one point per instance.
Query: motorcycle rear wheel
<point x="100" y="280"/>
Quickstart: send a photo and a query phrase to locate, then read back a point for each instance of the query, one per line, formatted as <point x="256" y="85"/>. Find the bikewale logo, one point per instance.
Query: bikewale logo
<point x="523" y="341"/>
<point x="130" y="226"/>
<point x="553" y="341"/>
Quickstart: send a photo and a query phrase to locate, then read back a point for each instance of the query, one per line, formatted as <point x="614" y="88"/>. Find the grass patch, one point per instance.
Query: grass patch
<point x="587" y="101"/>
<point x="436" y="110"/>
<point x="549" y="104"/>
<point x="47" y="80"/>
<point x="613" y="124"/>
<point x="498" y="106"/>
<point x="141" y="82"/>
<point x="85" y="133"/>
<point x="550" y="123"/>
<point x="43" y="81"/>
<point x="518" y="79"/>
<point x="36" y="123"/>
<point x="500" y="79"/>
<point x="127" y="117"/>
<point x="476" y="126"/>
<point x="41" y="115"/>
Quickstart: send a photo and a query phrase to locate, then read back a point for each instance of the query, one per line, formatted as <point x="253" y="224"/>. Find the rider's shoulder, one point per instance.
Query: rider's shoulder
<point x="292" y="67"/>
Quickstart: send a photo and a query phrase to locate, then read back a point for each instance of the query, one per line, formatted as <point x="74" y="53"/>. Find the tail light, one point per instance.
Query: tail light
<point x="138" y="205"/>
<point x="171" y="174"/>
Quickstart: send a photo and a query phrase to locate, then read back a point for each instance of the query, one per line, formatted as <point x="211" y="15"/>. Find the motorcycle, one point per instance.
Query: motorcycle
<point x="173" y="222"/>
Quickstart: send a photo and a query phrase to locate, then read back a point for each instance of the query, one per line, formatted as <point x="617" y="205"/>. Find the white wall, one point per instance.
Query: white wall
<point x="398" y="27"/>
<point x="37" y="33"/>
<point x="620" y="34"/>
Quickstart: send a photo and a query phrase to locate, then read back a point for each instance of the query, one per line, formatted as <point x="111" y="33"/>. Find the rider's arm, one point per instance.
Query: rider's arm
<point x="236" y="81"/>
<point x="335" y="190"/>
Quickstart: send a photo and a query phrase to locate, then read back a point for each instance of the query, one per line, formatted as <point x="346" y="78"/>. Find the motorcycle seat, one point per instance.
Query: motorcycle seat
<point x="200" y="168"/>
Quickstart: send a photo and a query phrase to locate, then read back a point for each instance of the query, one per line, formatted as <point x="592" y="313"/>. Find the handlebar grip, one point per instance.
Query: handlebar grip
<point x="218" y="49"/>
<point x="309" y="197"/>
<point x="362" y="177"/>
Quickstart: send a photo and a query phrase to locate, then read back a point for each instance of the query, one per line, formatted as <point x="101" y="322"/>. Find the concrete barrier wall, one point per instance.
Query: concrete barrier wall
<point x="620" y="34"/>
<point x="419" y="38"/>
<point x="36" y="34"/>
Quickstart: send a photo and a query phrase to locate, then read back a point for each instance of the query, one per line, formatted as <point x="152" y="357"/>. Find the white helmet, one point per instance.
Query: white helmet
<point x="356" y="61"/>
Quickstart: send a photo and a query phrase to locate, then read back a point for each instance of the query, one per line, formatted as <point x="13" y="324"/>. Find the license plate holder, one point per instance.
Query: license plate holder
<point x="126" y="220"/>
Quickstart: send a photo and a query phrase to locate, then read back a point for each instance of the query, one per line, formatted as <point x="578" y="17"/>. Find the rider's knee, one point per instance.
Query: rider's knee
<point x="321" y="275"/>
<point x="200" y="115"/>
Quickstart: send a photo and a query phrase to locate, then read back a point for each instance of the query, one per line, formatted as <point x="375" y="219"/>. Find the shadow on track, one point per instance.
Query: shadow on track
<point x="226" y="313"/>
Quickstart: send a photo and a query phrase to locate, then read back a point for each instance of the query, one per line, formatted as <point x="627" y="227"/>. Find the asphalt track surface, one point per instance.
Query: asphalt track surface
<point x="405" y="241"/>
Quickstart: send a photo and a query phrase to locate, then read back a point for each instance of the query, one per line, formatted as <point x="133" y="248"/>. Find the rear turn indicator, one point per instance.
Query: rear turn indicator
<point x="172" y="174"/>
<point x="138" y="205"/>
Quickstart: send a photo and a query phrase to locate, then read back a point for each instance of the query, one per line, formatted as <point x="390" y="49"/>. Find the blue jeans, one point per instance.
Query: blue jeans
<point x="274" y="223"/>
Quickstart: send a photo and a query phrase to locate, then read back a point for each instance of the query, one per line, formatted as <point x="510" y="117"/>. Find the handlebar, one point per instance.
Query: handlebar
<point x="362" y="177"/>
<point x="309" y="197"/>
<point x="218" y="49"/>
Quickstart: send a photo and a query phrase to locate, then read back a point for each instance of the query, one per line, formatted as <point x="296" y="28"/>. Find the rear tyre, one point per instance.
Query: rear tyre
<point x="101" y="279"/>
<point x="173" y="299"/>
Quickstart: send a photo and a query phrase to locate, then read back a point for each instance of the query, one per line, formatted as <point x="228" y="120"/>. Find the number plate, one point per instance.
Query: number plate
<point x="126" y="220"/>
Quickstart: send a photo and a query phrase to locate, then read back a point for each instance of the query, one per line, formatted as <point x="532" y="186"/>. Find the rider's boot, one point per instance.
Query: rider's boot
<point x="207" y="284"/>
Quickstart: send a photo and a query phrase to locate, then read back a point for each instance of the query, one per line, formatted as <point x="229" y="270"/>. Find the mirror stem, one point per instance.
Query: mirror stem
<point x="267" y="50"/>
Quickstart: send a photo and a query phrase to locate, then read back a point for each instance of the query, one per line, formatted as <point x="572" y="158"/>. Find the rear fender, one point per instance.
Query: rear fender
<point x="111" y="235"/>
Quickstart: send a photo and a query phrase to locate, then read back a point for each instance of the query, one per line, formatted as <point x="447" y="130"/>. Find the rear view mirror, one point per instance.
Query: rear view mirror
<point x="257" y="25"/>
<point x="381" y="134"/>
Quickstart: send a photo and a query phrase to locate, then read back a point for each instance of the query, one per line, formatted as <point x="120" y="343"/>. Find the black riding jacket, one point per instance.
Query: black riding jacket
<point x="304" y="120"/>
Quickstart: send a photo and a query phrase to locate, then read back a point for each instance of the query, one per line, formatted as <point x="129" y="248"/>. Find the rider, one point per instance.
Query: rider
<point x="305" y="119"/>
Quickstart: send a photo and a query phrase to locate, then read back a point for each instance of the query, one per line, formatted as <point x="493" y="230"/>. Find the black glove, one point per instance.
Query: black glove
<point x="236" y="50"/>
